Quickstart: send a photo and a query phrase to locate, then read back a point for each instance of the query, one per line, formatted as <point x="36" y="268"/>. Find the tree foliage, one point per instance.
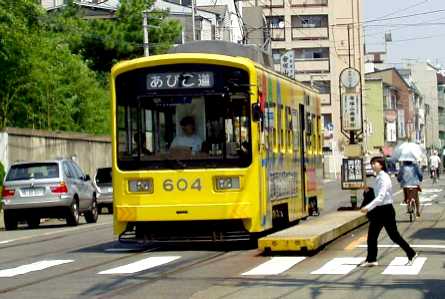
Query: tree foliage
<point x="54" y="67"/>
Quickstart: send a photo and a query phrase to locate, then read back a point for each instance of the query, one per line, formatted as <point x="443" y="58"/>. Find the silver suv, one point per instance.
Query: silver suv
<point x="104" y="188"/>
<point x="49" y="189"/>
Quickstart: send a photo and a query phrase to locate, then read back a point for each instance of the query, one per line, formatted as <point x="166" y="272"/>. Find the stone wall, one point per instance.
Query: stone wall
<point x="90" y="151"/>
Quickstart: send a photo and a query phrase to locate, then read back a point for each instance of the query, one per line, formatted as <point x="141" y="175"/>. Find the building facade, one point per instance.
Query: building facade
<point x="441" y="107"/>
<point x="398" y="108"/>
<point x="374" y="121"/>
<point x="326" y="37"/>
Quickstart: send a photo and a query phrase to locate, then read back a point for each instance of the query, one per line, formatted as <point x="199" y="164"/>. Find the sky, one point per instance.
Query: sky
<point x="420" y="37"/>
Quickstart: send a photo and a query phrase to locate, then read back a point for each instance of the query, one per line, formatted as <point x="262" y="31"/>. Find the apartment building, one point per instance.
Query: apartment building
<point x="326" y="37"/>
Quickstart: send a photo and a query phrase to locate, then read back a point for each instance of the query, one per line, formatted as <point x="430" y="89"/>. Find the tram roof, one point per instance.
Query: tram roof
<point x="253" y="52"/>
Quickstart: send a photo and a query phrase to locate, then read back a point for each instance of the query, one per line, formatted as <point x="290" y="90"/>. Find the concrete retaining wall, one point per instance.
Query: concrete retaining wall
<point x="90" y="151"/>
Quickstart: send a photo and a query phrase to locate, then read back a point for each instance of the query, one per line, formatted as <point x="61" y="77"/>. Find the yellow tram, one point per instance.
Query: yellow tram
<point x="211" y="147"/>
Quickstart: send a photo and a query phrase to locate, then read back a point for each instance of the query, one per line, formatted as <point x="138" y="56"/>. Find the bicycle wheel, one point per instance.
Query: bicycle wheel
<point x="411" y="210"/>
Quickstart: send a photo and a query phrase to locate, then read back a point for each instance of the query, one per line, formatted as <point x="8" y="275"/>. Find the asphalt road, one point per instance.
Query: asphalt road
<point x="55" y="261"/>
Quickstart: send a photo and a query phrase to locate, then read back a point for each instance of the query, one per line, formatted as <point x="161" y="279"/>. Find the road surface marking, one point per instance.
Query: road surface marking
<point x="413" y="246"/>
<point x="122" y="249"/>
<point x="398" y="267"/>
<point x="37" y="266"/>
<point x="141" y="265"/>
<point x="275" y="265"/>
<point x="340" y="266"/>
<point x="356" y="242"/>
<point x="422" y="204"/>
<point x="54" y="232"/>
<point x="431" y="190"/>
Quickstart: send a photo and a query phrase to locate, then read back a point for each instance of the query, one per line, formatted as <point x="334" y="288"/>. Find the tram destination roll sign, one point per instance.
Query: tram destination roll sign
<point x="183" y="80"/>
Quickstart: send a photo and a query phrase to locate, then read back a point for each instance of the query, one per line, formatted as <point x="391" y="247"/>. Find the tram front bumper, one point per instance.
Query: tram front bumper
<point x="129" y="213"/>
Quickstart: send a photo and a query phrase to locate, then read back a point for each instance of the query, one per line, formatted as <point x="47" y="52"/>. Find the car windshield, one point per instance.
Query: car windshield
<point x="178" y="128"/>
<point x="33" y="171"/>
<point x="103" y="176"/>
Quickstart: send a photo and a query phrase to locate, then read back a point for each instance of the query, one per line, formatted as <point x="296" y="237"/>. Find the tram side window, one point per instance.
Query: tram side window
<point x="289" y="128"/>
<point x="274" y="126"/>
<point x="281" y="143"/>
<point x="127" y="130"/>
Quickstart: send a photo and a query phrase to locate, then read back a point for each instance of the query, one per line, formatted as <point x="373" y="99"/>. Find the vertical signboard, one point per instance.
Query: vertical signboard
<point x="351" y="112"/>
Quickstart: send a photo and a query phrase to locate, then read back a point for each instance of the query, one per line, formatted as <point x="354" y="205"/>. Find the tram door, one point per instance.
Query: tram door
<point x="302" y="118"/>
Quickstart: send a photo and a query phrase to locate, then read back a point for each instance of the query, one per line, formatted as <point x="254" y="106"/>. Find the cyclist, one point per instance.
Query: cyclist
<point x="410" y="177"/>
<point x="434" y="165"/>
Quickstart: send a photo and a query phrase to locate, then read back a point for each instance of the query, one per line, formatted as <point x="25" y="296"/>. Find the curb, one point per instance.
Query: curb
<point x="2" y="223"/>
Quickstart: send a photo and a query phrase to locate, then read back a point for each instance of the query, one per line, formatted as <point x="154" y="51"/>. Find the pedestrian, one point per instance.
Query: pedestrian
<point x="410" y="177"/>
<point x="435" y="163"/>
<point x="382" y="214"/>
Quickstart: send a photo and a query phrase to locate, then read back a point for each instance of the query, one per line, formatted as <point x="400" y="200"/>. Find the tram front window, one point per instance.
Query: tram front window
<point x="184" y="131"/>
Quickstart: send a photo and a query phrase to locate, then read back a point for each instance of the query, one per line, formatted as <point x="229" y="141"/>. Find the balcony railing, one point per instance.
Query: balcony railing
<point x="273" y="3"/>
<point x="278" y="34"/>
<point x="304" y="33"/>
<point x="315" y="66"/>
<point x="306" y="3"/>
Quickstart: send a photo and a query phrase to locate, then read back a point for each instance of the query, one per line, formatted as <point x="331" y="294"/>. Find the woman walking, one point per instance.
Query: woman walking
<point x="381" y="214"/>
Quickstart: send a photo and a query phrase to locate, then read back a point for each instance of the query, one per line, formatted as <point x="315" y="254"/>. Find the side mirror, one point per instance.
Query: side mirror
<point x="87" y="178"/>
<point x="256" y="112"/>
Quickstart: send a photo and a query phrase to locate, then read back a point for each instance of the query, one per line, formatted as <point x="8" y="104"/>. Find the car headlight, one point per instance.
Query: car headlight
<point x="141" y="186"/>
<point x="227" y="183"/>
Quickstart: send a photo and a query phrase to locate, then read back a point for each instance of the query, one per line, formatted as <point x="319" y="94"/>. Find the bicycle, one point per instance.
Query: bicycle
<point x="411" y="206"/>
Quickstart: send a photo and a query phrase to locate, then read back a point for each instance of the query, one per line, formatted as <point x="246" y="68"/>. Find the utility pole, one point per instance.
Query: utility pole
<point x="193" y="20"/>
<point x="145" y="27"/>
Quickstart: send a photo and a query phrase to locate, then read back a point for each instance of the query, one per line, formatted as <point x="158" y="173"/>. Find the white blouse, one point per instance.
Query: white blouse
<point x="382" y="190"/>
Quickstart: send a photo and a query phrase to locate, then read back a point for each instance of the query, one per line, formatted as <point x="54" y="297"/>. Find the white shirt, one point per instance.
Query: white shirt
<point x="435" y="161"/>
<point x="194" y="142"/>
<point x="382" y="191"/>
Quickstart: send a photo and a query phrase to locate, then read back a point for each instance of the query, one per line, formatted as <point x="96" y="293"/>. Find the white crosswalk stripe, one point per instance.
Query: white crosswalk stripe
<point x="37" y="266"/>
<point x="339" y="266"/>
<point x="142" y="265"/>
<point x="398" y="266"/>
<point x="275" y="266"/>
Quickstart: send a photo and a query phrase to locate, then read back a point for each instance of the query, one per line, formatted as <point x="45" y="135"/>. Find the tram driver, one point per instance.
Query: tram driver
<point x="188" y="141"/>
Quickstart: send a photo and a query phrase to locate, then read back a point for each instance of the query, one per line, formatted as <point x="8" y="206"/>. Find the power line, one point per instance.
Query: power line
<point x="405" y="16"/>
<point x="404" y="9"/>
<point x="411" y="39"/>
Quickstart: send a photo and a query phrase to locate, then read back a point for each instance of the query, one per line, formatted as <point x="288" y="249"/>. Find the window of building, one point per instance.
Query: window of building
<point x="276" y="55"/>
<point x="275" y="22"/>
<point x="309" y="21"/>
<point x="311" y="53"/>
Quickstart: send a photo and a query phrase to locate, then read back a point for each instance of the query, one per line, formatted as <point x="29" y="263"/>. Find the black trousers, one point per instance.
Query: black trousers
<point x="384" y="216"/>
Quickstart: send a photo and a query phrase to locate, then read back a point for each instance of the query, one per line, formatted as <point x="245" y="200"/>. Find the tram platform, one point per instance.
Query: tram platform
<point x="313" y="234"/>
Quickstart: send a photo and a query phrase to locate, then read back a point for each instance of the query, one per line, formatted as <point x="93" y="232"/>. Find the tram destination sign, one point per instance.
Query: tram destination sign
<point x="180" y="80"/>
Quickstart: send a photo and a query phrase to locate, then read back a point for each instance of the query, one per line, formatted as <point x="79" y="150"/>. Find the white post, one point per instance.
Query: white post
<point x="145" y="27"/>
<point x="193" y="20"/>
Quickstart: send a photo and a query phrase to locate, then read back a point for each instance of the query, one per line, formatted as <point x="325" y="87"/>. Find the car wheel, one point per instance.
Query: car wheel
<point x="10" y="220"/>
<point x="33" y="222"/>
<point x="72" y="219"/>
<point x="92" y="215"/>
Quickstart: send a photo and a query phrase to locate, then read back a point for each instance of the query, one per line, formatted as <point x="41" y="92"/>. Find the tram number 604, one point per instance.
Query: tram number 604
<point x="181" y="185"/>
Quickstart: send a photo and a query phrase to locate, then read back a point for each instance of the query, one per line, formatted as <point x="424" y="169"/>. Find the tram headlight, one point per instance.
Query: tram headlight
<point x="142" y="186"/>
<point x="227" y="183"/>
